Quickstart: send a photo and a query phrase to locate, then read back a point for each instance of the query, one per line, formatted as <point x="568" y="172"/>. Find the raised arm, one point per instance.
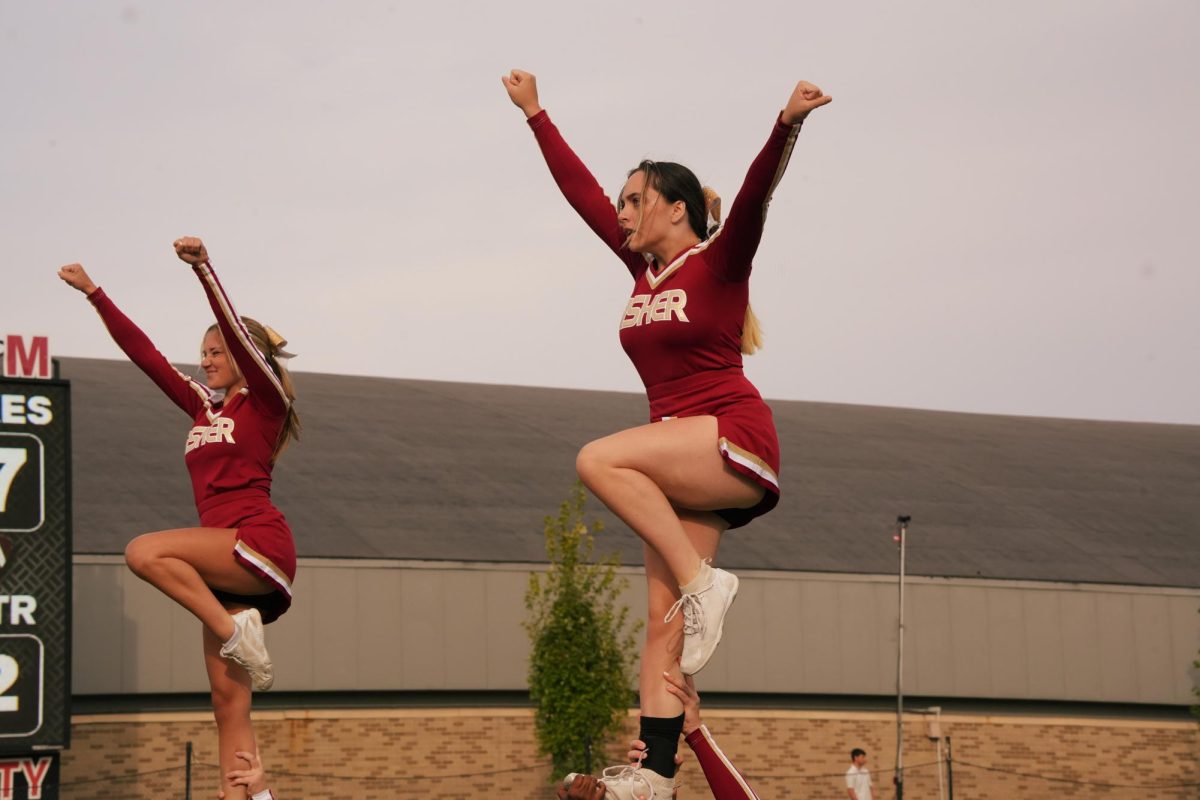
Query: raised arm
<point x="578" y="185"/>
<point x="725" y="782"/>
<point x="733" y="248"/>
<point x="184" y="392"/>
<point x="266" y="390"/>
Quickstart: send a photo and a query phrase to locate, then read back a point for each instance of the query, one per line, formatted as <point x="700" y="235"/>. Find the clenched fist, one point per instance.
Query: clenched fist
<point x="191" y="250"/>
<point x="805" y="97"/>
<point x="74" y="276"/>
<point x="522" y="90"/>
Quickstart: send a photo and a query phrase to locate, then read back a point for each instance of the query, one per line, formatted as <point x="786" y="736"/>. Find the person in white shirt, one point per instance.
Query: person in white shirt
<point x="858" y="777"/>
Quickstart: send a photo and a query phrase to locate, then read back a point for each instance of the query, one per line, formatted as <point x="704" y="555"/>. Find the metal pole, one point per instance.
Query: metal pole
<point x="950" y="767"/>
<point x="187" y="774"/>
<point x="901" y="531"/>
<point x="941" y="782"/>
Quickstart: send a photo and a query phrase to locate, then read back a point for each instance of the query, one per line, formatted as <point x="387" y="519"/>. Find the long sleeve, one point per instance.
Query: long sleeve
<point x="582" y="190"/>
<point x="266" y="391"/>
<point x="734" y="245"/>
<point x="725" y="782"/>
<point x="184" y="392"/>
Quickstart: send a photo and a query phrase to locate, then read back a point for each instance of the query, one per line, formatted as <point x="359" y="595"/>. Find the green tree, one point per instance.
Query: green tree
<point x="1196" y="688"/>
<point x="581" y="668"/>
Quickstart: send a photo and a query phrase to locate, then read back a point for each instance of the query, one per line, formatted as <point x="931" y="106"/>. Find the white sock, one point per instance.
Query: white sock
<point x="233" y="640"/>
<point x="701" y="581"/>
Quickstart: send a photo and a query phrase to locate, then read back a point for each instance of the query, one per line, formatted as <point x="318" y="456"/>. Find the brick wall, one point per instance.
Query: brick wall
<point x="459" y="753"/>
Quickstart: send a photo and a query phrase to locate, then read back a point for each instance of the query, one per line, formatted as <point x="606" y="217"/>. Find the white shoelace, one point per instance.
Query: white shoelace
<point x="693" y="613"/>
<point x="627" y="773"/>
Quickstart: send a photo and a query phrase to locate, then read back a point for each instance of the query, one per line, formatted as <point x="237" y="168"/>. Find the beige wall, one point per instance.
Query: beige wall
<point x="450" y="754"/>
<point x="383" y="625"/>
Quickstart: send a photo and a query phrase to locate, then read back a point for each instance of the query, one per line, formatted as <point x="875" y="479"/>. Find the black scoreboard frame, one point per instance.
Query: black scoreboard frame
<point x="38" y="563"/>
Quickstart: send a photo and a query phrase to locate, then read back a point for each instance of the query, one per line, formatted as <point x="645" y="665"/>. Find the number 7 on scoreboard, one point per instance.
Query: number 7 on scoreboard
<point x="22" y="484"/>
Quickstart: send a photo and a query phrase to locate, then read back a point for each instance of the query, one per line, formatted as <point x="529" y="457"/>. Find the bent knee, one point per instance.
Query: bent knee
<point x="139" y="554"/>
<point x="591" y="462"/>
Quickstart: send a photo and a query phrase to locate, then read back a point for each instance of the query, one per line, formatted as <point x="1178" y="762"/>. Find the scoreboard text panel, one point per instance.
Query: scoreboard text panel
<point x="35" y="564"/>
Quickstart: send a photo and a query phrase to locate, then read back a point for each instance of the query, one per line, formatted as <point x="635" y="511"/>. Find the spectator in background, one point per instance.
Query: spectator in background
<point x="858" y="777"/>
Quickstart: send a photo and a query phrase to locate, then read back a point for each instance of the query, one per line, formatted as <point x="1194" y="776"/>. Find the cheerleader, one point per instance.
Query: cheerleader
<point x="709" y="459"/>
<point x="234" y="571"/>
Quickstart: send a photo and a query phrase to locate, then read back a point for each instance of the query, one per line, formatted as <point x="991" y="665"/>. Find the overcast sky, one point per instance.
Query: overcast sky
<point x="999" y="212"/>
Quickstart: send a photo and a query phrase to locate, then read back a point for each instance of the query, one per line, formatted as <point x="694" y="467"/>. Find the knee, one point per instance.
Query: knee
<point x="658" y="631"/>
<point x="139" y="556"/>
<point x="591" y="462"/>
<point x="231" y="703"/>
<point x="664" y="642"/>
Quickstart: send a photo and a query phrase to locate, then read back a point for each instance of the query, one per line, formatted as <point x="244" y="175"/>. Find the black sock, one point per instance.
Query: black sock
<point x="661" y="735"/>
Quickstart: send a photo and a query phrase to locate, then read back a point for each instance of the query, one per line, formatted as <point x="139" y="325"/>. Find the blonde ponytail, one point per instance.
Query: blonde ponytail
<point x="270" y="344"/>
<point x="752" y="338"/>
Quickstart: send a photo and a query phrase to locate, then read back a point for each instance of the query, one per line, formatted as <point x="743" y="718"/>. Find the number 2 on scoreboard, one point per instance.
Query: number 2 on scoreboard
<point x="9" y="671"/>
<point x="11" y="461"/>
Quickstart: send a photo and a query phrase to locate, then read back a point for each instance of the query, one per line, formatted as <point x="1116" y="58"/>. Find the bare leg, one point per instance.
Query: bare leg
<point x="231" y="707"/>
<point x="643" y="473"/>
<point x="664" y="640"/>
<point x="184" y="563"/>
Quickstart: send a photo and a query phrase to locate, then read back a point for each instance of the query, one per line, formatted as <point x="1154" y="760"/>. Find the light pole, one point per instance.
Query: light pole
<point x="898" y="778"/>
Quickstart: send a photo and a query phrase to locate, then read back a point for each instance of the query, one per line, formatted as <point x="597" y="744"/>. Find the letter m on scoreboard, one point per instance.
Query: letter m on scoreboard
<point x="26" y="357"/>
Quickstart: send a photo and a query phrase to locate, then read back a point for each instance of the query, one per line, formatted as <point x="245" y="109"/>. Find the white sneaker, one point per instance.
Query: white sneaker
<point x="620" y="783"/>
<point x="627" y="782"/>
<point x="250" y="650"/>
<point x="704" y="618"/>
<point x="662" y="787"/>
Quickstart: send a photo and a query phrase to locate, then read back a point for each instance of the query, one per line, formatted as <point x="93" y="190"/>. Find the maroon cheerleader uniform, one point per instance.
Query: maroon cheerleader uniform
<point x="229" y="449"/>
<point x="682" y="327"/>
<point x="724" y="781"/>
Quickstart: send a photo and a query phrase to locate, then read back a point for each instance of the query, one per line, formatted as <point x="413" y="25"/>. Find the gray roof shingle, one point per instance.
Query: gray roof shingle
<point x="411" y="469"/>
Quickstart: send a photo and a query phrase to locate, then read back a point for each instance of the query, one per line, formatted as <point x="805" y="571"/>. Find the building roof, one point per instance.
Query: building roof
<point x="427" y="470"/>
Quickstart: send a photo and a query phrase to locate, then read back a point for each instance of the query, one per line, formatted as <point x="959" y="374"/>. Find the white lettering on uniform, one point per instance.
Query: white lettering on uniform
<point x="635" y="310"/>
<point x="221" y="430"/>
<point x="643" y="309"/>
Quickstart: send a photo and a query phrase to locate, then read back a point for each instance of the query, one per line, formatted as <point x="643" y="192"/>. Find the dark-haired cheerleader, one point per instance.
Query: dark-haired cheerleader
<point x="709" y="459"/>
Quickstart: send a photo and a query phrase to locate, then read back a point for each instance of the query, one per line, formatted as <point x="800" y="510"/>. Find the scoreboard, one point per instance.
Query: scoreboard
<point x="35" y="565"/>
